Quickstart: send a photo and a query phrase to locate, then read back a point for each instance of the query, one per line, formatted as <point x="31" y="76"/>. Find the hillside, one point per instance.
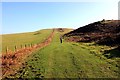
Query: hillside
<point x="50" y="58"/>
<point x="67" y="60"/>
<point x="20" y="40"/>
<point x="105" y="32"/>
<point x="12" y="60"/>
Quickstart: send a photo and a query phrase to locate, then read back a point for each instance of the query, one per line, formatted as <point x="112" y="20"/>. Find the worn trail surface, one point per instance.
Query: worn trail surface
<point x="12" y="61"/>
<point x="66" y="60"/>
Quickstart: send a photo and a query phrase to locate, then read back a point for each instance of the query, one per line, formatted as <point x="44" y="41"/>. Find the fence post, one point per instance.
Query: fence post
<point x="6" y="49"/>
<point x="29" y="45"/>
<point x="25" y="45"/>
<point x="15" y="48"/>
<point x="21" y="46"/>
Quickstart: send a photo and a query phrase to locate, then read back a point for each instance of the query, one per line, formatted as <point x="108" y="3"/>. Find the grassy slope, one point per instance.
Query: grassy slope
<point x="12" y="40"/>
<point x="66" y="60"/>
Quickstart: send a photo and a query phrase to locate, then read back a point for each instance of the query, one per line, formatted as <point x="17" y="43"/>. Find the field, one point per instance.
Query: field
<point x="21" y="40"/>
<point x="68" y="60"/>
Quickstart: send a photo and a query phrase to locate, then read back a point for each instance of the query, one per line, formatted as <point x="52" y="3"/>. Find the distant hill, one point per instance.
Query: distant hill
<point x="106" y="32"/>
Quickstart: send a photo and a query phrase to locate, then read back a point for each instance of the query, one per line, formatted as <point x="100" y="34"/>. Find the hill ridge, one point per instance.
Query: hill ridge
<point x="100" y="32"/>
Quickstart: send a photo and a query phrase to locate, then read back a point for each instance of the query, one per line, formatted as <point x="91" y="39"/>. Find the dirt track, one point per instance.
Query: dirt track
<point x="12" y="61"/>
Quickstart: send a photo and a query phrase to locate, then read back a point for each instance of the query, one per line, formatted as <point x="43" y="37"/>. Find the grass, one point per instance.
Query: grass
<point x="66" y="60"/>
<point x="22" y="39"/>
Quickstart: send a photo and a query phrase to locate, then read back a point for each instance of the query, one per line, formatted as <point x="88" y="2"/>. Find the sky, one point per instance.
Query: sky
<point x="18" y="17"/>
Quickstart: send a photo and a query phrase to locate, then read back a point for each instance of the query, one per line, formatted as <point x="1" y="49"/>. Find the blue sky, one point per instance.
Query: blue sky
<point x="20" y="17"/>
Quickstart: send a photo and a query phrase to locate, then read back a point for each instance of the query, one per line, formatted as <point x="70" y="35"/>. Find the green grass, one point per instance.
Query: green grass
<point x="66" y="60"/>
<point x="22" y="39"/>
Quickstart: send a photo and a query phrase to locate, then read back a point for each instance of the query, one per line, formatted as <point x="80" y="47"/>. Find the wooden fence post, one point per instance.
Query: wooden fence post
<point x="15" y="48"/>
<point x="25" y="45"/>
<point x="6" y="49"/>
<point x="31" y="44"/>
<point x="21" y="46"/>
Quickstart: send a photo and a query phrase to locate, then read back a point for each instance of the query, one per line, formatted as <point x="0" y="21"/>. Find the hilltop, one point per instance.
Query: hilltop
<point x="105" y="32"/>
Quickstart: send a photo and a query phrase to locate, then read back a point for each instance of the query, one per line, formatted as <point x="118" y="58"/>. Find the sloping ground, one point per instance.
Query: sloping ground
<point x="67" y="60"/>
<point x="105" y="32"/>
<point x="12" y="61"/>
<point x="20" y="40"/>
<point x="101" y="26"/>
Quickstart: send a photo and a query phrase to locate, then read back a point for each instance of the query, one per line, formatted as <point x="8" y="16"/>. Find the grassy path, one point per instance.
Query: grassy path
<point x="66" y="60"/>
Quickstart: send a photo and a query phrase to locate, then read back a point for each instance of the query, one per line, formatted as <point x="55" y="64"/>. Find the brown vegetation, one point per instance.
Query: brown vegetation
<point x="105" y="32"/>
<point x="12" y="61"/>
